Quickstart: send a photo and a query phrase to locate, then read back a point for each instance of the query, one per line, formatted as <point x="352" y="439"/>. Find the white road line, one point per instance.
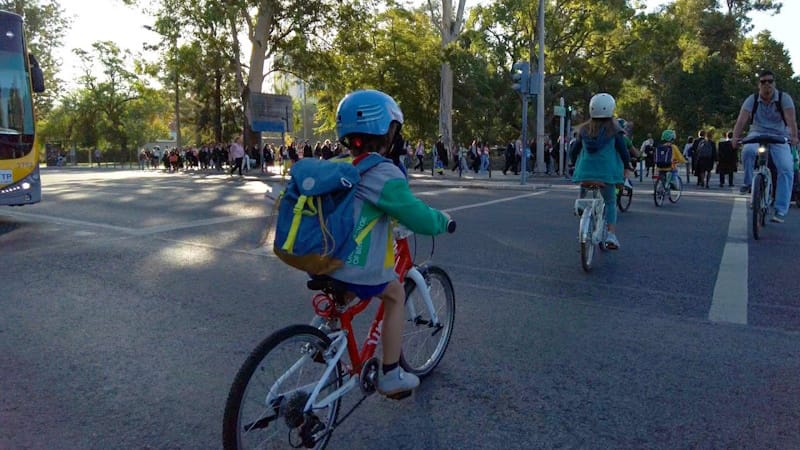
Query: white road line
<point x="729" y="303"/>
<point x="492" y="202"/>
<point x="63" y="221"/>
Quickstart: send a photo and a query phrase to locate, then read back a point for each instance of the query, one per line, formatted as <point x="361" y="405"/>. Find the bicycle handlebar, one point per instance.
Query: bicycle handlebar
<point x="451" y="226"/>
<point x="765" y="139"/>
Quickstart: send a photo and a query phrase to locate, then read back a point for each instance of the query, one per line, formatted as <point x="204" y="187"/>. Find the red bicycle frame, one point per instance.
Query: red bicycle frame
<point x="402" y="263"/>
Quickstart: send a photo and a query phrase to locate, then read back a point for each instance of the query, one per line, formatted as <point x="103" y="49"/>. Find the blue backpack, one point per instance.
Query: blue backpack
<point x="314" y="229"/>
<point x="663" y="156"/>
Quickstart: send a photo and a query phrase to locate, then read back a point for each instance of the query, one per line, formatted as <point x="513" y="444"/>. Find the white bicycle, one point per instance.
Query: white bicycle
<point x="592" y="230"/>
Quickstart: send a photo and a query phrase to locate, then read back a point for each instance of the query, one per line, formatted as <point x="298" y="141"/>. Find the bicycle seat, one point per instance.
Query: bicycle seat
<point x="593" y="184"/>
<point x="326" y="284"/>
<point x="765" y="139"/>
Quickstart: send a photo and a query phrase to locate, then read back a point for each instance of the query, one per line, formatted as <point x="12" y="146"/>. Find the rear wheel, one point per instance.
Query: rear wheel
<point x="659" y="192"/>
<point x="624" y="198"/>
<point x="675" y="193"/>
<point x="424" y="342"/>
<point x="266" y="401"/>
<point x="757" y="207"/>
<point x="587" y="244"/>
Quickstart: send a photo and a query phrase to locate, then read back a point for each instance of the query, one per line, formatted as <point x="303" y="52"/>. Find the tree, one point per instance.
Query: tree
<point x="450" y="26"/>
<point x="126" y="111"/>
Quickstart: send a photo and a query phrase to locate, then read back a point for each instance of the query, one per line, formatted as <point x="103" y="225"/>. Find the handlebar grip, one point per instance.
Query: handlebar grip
<point x="451" y="226"/>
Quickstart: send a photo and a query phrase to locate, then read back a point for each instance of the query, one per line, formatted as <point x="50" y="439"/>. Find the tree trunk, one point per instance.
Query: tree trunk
<point x="450" y="28"/>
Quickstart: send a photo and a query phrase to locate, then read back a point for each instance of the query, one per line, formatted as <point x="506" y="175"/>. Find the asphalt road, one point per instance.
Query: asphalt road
<point x="129" y="300"/>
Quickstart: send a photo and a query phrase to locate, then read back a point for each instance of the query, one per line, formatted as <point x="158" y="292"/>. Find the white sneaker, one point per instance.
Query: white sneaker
<point x="612" y="243"/>
<point x="628" y="183"/>
<point x="397" y="383"/>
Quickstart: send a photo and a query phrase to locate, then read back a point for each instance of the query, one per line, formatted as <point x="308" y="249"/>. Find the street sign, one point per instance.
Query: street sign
<point x="559" y="111"/>
<point x="271" y="112"/>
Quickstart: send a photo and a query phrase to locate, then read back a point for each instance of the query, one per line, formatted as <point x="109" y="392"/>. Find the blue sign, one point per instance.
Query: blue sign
<point x="275" y="126"/>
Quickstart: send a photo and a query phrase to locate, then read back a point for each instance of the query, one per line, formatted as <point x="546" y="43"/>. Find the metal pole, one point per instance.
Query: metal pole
<point x="524" y="159"/>
<point x="562" y="144"/>
<point x="540" y="90"/>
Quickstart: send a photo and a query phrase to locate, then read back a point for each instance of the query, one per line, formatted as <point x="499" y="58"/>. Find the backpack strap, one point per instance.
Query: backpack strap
<point x="372" y="160"/>
<point x="780" y="107"/>
<point x="299" y="211"/>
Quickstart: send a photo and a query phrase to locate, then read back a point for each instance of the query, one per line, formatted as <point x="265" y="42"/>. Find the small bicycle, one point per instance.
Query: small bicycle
<point x="667" y="185"/>
<point x="591" y="208"/>
<point x="761" y="187"/>
<point x="288" y="392"/>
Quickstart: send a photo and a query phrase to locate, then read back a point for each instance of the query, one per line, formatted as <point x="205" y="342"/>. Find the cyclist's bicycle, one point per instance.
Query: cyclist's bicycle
<point x="761" y="187"/>
<point x="624" y="195"/>
<point x="667" y="185"/>
<point x="591" y="208"/>
<point x="288" y="392"/>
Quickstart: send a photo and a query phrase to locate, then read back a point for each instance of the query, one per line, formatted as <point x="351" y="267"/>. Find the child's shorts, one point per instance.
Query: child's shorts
<point x="365" y="291"/>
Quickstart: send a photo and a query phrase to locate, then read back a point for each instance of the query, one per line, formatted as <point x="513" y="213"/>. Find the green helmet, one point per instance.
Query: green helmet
<point x="668" y="136"/>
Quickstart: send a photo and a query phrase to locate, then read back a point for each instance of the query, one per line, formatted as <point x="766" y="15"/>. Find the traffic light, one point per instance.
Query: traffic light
<point x="521" y="73"/>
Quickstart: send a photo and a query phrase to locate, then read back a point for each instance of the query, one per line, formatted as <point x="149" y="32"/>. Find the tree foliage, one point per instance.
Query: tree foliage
<point x="687" y="66"/>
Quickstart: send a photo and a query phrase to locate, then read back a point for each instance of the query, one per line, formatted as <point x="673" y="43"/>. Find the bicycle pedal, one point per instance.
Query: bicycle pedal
<point x="400" y="395"/>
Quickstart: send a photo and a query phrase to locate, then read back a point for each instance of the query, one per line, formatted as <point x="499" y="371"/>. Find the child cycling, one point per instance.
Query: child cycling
<point x="602" y="156"/>
<point x="666" y="160"/>
<point x="367" y="121"/>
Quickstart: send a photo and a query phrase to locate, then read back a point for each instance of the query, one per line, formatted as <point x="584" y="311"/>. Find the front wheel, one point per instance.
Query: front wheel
<point x="266" y="401"/>
<point x="659" y="192"/>
<point x="675" y="192"/>
<point x="425" y="340"/>
<point x="757" y="209"/>
<point x="624" y="198"/>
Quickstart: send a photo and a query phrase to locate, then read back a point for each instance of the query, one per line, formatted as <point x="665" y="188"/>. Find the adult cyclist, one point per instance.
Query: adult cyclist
<point x="769" y="112"/>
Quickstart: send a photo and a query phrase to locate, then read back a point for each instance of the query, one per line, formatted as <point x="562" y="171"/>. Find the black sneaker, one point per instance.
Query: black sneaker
<point x="744" y="190"/>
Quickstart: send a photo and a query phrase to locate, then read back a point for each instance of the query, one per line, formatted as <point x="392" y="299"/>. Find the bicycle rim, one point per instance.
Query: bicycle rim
<point x="425" y="342"/>
<point x="256" y="418"/>
<point x="658" y="193"/>
<point x="675" y="194"/>
<point x="757" y="207"/>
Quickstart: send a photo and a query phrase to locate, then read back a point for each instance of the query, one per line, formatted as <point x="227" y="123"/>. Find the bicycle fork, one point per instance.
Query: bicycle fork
<point x="419" y="280"/>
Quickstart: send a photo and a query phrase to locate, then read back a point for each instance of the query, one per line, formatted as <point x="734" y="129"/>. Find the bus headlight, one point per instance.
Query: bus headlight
<point x="26" y="185"/>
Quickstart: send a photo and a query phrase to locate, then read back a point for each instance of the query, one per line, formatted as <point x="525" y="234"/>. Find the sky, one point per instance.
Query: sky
<point x="96" y="20"/>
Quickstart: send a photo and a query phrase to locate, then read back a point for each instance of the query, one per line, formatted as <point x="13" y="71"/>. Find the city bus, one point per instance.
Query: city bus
<point x="20" y="77"/>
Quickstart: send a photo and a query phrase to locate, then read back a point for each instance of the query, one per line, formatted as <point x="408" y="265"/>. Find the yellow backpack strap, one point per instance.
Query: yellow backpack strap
<point x="288" y="246"/>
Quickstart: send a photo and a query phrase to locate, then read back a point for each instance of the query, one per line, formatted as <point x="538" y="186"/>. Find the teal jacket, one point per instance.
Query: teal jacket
<point x="383" y="194"/>
<point x="602" y="158"/>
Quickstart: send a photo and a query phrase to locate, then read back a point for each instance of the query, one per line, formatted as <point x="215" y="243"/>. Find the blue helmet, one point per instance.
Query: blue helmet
<point x="366" y="112"/>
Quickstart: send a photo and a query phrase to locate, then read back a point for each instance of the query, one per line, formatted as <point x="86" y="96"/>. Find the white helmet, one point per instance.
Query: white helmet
<point x="602" y="106"/>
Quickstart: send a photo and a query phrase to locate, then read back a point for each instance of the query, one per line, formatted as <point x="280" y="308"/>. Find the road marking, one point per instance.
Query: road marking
<point x="492" y="202"/>
<point x="63" y="221"/>
<point x="729" y="303"/>
<point x="133" y="231"/>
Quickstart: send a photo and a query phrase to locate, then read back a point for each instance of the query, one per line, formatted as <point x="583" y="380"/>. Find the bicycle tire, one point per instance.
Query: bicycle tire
<point x="659" y="192"/>
<point x="678" y="191"/>
<point x="418" y="356"/>
<point x="757" y="210"/>
<point x="587" y="245"/>
<point x="298" y="340"/>
<point x="624" y="198"/>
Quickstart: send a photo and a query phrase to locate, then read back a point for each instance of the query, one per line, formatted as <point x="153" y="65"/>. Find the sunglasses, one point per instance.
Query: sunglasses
<point x="767" y="81"/>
